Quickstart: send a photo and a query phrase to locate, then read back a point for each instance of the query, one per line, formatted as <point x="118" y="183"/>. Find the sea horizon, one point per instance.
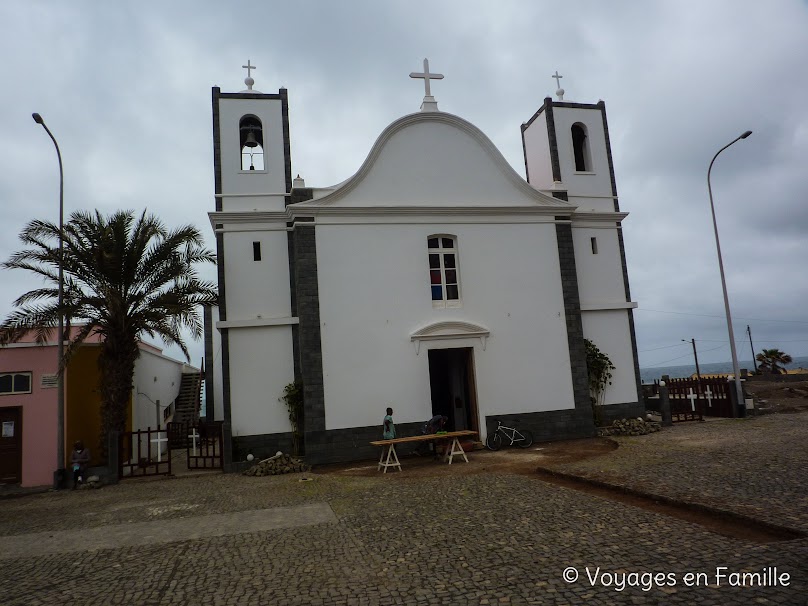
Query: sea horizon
<point x="652" y="373"/>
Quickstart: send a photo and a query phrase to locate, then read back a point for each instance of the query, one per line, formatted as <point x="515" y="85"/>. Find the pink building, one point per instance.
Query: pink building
<point x="28" y="404"/>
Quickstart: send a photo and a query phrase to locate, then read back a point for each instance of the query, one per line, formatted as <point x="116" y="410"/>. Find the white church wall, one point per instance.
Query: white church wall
<point x="257" y="288"/>
<point x="537" y="153"/>
<point x="271" y="180"/>
<point x="596" y="181"/>
<point x="609" y="331"/>
<point x="453" y="169"/>
<point x="156" y="383"/>
<point x="374" y="293"/>
<point x="261" y="365"/>
<point x="600" y="276"/>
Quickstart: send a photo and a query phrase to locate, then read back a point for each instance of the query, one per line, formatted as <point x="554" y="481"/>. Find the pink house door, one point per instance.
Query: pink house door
<point x="10" y="445"/>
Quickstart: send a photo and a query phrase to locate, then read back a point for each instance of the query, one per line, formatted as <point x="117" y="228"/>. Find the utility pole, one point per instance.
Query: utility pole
<point x="749" y="332"/>
<point x="695" y="357"/>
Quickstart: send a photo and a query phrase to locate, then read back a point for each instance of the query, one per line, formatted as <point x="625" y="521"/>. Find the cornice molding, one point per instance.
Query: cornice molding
<point x="449" y="329"/>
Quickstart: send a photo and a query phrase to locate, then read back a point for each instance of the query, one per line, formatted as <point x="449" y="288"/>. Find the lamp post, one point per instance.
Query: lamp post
<point x="735" y="369"/>
<point x="696" y="357"/>
<point x="58" y="476"/>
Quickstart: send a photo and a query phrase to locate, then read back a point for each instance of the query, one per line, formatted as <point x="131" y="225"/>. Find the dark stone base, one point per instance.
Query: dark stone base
<point x="549" y="426"/>
<point x="353" y="444"/>
<point x="626" y="410"/>
<point x="260" y="447"/>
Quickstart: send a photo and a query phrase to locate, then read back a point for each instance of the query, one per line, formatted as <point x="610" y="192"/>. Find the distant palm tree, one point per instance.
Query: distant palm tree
<point x="770" y="358"/>
<point x="125" y="277"/>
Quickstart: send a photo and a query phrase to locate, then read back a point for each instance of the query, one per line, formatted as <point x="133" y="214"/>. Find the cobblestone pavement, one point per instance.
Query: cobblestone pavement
<point x="488" y="538"/>
<point x="757" y="467"/>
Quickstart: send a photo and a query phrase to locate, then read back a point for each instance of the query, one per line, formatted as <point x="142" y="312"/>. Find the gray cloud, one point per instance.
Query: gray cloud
<point x="125" y="87"/>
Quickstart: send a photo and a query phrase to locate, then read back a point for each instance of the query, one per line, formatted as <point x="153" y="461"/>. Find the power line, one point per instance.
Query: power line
<point x="666" y="347"/>
<point x="682" y="313"/>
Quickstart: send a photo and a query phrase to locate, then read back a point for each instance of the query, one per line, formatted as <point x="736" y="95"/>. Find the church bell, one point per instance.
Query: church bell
<point x="249" y="140"/>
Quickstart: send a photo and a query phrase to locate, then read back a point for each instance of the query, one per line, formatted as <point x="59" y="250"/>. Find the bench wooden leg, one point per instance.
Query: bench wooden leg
<point x="455" y="449"/>
<point x="391" y="456"/>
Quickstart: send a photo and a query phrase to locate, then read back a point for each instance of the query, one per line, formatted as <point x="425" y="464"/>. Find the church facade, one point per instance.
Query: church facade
<point x="435" y="280"/>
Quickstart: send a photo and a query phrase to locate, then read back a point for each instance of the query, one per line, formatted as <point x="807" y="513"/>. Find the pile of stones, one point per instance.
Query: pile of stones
<point x="277" y="465"/>
<point x="630" y="427"/>
<point x="90" y="482"/>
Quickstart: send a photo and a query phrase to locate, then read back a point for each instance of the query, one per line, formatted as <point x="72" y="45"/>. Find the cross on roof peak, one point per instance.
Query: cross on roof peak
<point x="429" y="103"/>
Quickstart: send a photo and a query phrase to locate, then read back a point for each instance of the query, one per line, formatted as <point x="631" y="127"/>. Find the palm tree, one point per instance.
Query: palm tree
<point x="125" y="277"/>
<point x="770" y="358"/>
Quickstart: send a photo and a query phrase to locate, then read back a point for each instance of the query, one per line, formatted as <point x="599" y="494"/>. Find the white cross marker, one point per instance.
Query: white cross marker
<point x="557" y="78"/>
<point x="709" y="395"/>
<point x="692" y="397"/>
<point x="427" y="76"/>
<point x="194" y="436"/>
<point x="249" y="68"/>
<point x="159" y="440"/>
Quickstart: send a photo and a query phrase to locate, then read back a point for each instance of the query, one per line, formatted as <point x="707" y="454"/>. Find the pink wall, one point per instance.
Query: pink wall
<point x="39" y="420"/>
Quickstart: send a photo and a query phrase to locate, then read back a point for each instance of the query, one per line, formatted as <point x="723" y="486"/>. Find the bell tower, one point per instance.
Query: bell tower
<point x="251" y="154"/>
<point x="568" y="155"/>
<point x="251" y="334"/>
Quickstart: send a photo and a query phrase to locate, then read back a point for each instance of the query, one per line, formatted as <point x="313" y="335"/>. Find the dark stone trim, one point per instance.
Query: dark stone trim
<point x="572" y="312"/>
<point x="310" y="349"/>
<point x="552" y="139"/>
<point x="573" y="105"/>
<point x="209" y="361"/>
<point x="225" y="336"/>
<point x="220" y="275"/>
<point x="287" y="149"/>
<point x="217" y="149"/>
<point x="527" y="124"/>
<point x="630" y="313"/>
<point x="296" y="195"/>
<point x="602" y="107"/>
<point x="278" y="95"/>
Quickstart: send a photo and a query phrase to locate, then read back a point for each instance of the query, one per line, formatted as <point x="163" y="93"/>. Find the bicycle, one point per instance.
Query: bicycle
<point x="522" y="439"/>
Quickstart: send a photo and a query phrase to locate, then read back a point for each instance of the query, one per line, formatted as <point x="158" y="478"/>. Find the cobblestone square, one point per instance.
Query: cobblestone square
<point x="488" y="537"/>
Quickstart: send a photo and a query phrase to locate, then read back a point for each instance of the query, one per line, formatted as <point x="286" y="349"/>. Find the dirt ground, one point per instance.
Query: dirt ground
<point x="779" y="397"/>
<point x="510" y="460"/>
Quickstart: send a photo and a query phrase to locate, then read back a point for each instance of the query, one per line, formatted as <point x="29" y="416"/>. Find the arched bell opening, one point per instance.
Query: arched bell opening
<point x="251" y="139"/>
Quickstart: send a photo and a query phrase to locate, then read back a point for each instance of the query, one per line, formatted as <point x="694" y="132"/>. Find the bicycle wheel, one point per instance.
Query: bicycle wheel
<point x="494" y="441"/>
<point x="527" y="439"/>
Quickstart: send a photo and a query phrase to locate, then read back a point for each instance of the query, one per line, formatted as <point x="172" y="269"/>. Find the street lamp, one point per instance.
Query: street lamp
<point x="58" y="476"/>
<point x="735" y="369"/>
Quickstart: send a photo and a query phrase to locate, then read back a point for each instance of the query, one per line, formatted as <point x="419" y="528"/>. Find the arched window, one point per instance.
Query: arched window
<point x="580" y="148"/>
<point x="444" y="279"/>
<point x="251" y="142"/>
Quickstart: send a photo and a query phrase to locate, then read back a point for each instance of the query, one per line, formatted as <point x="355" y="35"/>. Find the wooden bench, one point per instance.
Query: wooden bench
<point x="389" y="456"/>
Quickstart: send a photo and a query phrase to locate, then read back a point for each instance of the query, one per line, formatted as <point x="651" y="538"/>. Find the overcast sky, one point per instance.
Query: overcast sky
<point x="125" y="88"/>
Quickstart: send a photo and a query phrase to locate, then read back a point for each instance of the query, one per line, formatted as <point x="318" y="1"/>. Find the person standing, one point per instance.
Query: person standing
<point x="79" y="459"/>
<point x="388" y="427"/>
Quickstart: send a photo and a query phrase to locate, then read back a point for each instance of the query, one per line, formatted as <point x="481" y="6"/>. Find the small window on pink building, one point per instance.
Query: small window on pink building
<point x="15" y="382"/>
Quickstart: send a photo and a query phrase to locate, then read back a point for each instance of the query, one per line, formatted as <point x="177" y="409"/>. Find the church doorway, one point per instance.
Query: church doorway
<point x="452" y="385"/>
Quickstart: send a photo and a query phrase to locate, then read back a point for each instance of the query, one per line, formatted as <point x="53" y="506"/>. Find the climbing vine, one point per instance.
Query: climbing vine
<point x="293" y="398"/>
<point x="599" y="367"/>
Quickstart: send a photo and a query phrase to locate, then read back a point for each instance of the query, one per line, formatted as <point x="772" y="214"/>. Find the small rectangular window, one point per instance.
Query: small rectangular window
<point x="594" y="242"/>
<point x="18" y="382"/>
<point x="256" y="251"/>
